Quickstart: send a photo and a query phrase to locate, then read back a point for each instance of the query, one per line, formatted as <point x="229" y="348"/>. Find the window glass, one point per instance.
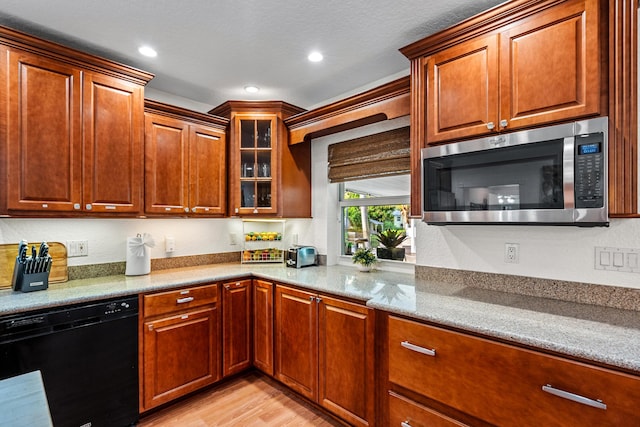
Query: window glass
<point x="375" y="214"/>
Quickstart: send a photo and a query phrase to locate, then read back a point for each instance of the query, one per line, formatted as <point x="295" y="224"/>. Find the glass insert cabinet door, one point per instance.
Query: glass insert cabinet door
<point x="257" y="165"/>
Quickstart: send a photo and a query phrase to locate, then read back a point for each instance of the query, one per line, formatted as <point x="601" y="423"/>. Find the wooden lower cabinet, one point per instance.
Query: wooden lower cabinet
<point x="263" y="326"/>
<point x="404" y="412"/>
<point x="325" y="351"/>
<point x="180" y="346"/>
<point x="502" y="384"/>
<point x="236" y="326"/>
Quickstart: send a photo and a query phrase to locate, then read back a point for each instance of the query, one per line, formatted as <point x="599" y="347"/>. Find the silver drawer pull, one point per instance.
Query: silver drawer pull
<point x="184" y="300"/>
<point x="574" y="397"/>
<point x="417" y="348"/>
<point x="405" y="424"/>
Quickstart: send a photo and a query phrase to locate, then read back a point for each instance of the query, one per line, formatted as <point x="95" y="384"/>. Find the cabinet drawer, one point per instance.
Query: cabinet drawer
<point x="404" y="412"/>
<point x="506" y="385"/>
<point x="180" y="299"/>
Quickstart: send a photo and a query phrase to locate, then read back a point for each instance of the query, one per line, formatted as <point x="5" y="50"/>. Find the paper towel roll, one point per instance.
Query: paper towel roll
<point x="139" y="255"/>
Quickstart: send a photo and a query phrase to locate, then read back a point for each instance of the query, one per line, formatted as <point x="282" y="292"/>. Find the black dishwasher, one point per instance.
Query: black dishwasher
<point x="88" y="356"/>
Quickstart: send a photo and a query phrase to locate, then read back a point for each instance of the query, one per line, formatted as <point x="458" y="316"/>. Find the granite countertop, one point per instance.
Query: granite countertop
<point x="606" y="335"/>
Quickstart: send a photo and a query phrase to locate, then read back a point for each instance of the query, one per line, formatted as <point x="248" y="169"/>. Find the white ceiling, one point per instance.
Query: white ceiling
<point x="208" y="50"/>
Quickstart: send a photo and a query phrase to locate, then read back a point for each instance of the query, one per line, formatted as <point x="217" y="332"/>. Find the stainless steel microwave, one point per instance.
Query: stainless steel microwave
<point x="556" y="175"/>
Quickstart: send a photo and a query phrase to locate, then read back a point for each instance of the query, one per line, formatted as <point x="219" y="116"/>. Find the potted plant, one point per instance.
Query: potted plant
<point x="364" y="259"/>
<point x="390" y="239"/>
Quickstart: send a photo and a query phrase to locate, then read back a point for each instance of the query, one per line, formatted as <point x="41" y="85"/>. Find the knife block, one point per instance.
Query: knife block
<point x="23" y="282"/>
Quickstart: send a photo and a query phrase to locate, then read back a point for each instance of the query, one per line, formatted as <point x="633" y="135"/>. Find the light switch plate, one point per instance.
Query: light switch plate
<point x="617" y="259"/>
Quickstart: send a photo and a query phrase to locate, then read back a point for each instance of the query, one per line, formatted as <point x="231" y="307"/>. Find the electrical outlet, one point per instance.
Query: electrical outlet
<point x="233" y="239"/>
<point x="77" y="248"/>
<point x="169" y="244"/>
<point x="511" y="253"/>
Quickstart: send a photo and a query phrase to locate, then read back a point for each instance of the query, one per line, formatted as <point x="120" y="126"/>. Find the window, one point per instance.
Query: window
<point x="375" y="211"/>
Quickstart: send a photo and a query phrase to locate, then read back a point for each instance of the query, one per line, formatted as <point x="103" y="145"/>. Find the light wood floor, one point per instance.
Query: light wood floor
<point x="251" y="400"/>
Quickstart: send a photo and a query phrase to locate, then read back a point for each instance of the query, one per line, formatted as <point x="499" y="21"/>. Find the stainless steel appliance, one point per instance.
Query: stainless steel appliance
<point x="88" y="357"/>
<point x="552" y="175"/>
<point x="301" y="256"/>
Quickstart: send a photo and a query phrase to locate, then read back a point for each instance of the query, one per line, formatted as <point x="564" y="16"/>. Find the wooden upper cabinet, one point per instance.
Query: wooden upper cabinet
<point x="166" y="165"/>
<point x="44" y="149"/>
<point x="185" y="162"/>
<point x="113" y="144"/>
<point x="207" y="171"/>
<point x="72" y="130"/>
<point x="540" y="69"/>
<point x="463" y="89"/>
<point x="266" y="176"/>
<point x="550" y="67"/>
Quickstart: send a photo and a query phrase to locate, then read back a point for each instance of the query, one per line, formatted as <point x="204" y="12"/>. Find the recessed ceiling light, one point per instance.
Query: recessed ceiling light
<point x="251" y="89"/>
<point x="315" y="57"/>
<point x="148" y="51"/>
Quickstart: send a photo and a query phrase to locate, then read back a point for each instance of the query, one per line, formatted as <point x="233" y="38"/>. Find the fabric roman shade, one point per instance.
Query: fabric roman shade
<point x="381" y="154"/>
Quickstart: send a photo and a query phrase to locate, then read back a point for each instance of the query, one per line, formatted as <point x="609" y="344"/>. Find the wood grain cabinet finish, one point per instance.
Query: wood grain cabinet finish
<point x="405" y="412"/>
<point x="462" y="89"/>
<point x="325" y="351"/>
<point x="236" y="326"/>
<point x="185" y="171"/>
<point x="266" y="176"/>
<point x="263" y="326"/>
<point x="506" y="385"/>
<point x="74" y="138"/>
<point x="113" y="144"/>
<point x="44" y="134"/>
<point x="180" y="350"/>
<point x="542" y="69"/>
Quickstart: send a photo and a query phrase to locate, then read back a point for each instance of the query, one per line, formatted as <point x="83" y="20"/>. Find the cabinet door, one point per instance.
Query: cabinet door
<point x="462" y="90"/>
<point x="44" y="133"/>
<point x="207" y="171"/>
<point x="263" y="326"/>
<point x="346" y="353"/>
<point x="180" y="355"/>
<point x="255" y="173"/>
<point x="166" y="163"/>
<point x="297" y="340"/>
<point x="236" y="326"/>
<point x="113" y="144"/>
<point x="550" y="65"/>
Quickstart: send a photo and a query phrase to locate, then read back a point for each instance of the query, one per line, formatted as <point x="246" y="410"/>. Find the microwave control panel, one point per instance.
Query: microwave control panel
<point x="589" y="171"/>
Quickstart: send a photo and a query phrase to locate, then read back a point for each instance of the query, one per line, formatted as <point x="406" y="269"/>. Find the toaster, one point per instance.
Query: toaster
<point x="301" y="256"/>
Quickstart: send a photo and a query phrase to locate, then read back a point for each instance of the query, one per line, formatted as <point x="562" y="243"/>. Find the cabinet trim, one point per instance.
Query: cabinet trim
<point x="386" y="102"/>
<point x="58" y="52"/>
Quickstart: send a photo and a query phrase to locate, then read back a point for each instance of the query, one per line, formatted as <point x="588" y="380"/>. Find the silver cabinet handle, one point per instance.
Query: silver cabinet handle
<point x="318" y="299"/>
<point x="574" y="397"/>
<point x="184" y="300"/>
<point x="405" y="424"/>
<point x="490" y="125"/>
<point x="503" y="123"/>
<point x="312" y="298"/>
<point x="226" y="286"/>
<point x="418" y="349"/>
<point x="186" y="209"/>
